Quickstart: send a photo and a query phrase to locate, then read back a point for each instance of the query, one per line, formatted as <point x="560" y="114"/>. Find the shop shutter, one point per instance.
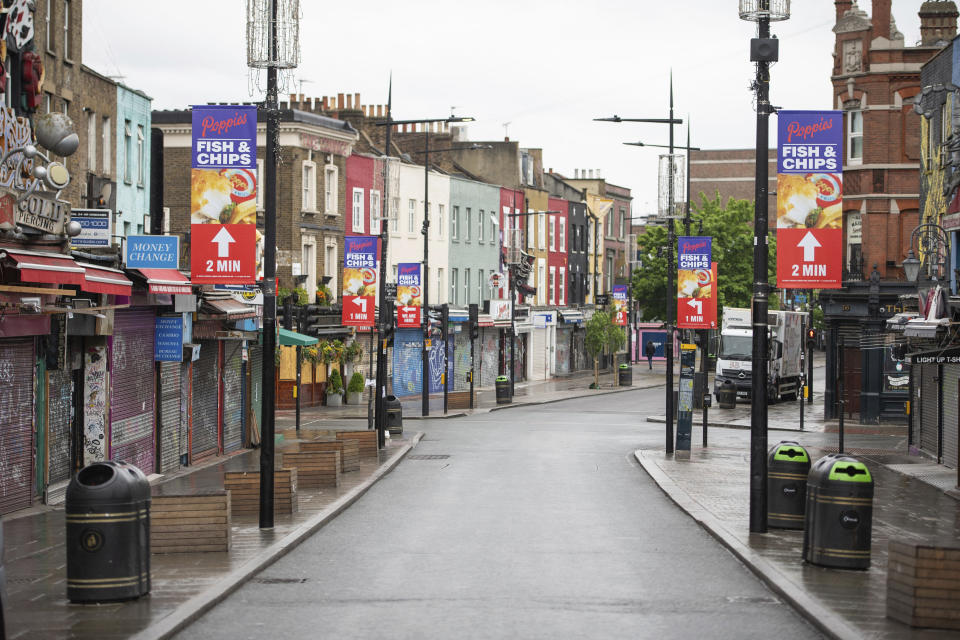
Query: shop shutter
<point x="132" y="388"/>
<point x="407" y="362"/>
<point x="256" y="392"/>
<point x="461" y="359"/>
<point x="916" y="405"/>
<point x="170" y="416"/>
<point x="581" y="359"/>
<point x="16" y="424"/>
<point x="930" y="410"/>
<point x="59" y="408"/>
<point x="488" y="360"/>
<point x="951" y="415"/>
<point x="205" y="393"/>
<point x="520" y="365"/>
<point x="232" y="401"/>
<point x="564" y="336"/>
<point x="538" y="354"/>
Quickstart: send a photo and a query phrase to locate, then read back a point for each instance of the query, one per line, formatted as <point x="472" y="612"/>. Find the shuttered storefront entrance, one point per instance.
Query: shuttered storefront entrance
<point x="930" y="410"/>
<point x="204" y="441"/>
<point x="170" y="416"/>
<point x="488" y="356"/>
<point x="461" y="358"/>
<point x="564" y="339"/>
<point x="132" y="388"/>
<point x="59" y="409"/>
<point x="951" y="415"/>
<point x="232" y="401"/>
<point x="255" y="366"/>
<point x="16" y="424"/>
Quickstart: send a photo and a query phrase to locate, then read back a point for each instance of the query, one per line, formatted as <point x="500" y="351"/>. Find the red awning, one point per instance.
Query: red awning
<point x="46" y="267"/>
<point x="105" y="280"/>
<point x="166" y="281"/>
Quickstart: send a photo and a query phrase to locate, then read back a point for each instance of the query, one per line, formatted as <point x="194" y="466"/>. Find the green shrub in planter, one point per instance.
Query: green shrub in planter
<point x="336" y="382"/>
<point x="356" y="383"/>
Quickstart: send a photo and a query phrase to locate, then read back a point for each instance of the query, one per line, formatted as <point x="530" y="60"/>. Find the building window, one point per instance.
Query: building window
<point x="127" y="152"/>
<point x="480" y="226"/>
<point x="439" y="282"/>
<point x="308" y="254"/>
<point x="553" y="234"/>
<point x="480" y="286"/>
<point x="440" y="221"/>
<point x="466" y="226"/>
<point x="454" y="223"/>
<point x="66" y="29"/>
<point x="47" y="102"/>
<point x="609" y="273"/>
<point x="141" y="158"/>
<point x="411" y="215"/>
<point x="308" y="200"/>
<point x="562" y="295"/>
<point x="562" y="246"/>
<point x="357" y="223"/>
<point x="395" y="215"/>
<point x="48" y="26"/>
<point x="330" y="265"/>
<point x="106" y="144"/>
<point x="466" y="286"/>
<point x="375" y="212"/>
<point x="91" y="141"/>
<point x="855" y="137"/>
<point x="623" y="222"/>
<point x="331" y="175"/>
<point x="550" y="284"/>
<point x="453" y="286"/>
<point x="541" y="281"/>
<point x="542" y="229"/>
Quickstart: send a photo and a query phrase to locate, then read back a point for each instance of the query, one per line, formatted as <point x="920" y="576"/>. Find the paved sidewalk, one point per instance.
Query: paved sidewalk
<point x="184" y="585"/>
<point x="713" y="488"/>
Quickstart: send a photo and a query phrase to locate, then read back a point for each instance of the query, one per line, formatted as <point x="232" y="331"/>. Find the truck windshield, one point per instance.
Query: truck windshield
<point x="736" y="347"/>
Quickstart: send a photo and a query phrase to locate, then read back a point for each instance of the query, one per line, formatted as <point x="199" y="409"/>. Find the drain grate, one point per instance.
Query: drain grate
<point x="279" y="580"/>
<point x="428" y="457"/>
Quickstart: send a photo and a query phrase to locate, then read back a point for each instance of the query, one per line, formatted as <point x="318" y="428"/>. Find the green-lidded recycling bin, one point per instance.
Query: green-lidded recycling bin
<point x="839" y="513"/>
<point x="788" y="465"/>
<point x="394" y="415"/>
<point x="626" y="375"/>
<point x="108" y="533"/>
<point x="502" y="385"/>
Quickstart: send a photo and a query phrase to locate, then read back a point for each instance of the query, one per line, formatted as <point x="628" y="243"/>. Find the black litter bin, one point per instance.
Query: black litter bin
<point x="787" y="467"/>
<point x="626" y="376"/>
<point x="108" y="533"/>
<point x="727" y="395"/>
<point x="503" y="390"/>
<point x="839" y="513"/>
<point x="394" y="415"/>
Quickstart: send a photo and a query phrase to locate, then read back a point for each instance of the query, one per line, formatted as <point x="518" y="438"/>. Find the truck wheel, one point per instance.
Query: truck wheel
<point x="773" y="393"/>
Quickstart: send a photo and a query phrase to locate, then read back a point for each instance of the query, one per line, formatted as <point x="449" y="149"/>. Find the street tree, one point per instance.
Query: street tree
<point x="731" y="227"/>
<point x="602" y="333"/>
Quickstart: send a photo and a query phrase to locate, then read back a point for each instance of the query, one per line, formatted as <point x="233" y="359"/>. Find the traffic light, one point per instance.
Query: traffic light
<point x="811" y="335"/>
<point x="474" y="311"/>
<point x="309" y="319"/>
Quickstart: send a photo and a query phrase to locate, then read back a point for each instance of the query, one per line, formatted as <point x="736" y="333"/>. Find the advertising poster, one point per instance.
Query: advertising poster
<point x="409" y="294"/>
<point x="223" y="193"/>
<point x="620" y="304"/>
<point x="696" y="283"/>
<point x="359" y="280"/>
<point x="809" y="199"/>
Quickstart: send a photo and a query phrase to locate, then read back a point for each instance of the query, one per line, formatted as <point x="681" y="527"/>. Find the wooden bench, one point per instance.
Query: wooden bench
<point x="196" y="521"/>
<point x="349" y="451"/>
<point x="314" y="468"/>
<point x="923" y="584"/>
<point x="460" y="399"/>
<point x="244" y="487"/>
<point x="366" y="439"/>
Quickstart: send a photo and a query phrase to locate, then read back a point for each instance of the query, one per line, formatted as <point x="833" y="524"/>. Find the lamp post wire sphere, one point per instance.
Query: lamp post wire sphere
<point x="771" y="10"/>
<point x="273" y="34"/>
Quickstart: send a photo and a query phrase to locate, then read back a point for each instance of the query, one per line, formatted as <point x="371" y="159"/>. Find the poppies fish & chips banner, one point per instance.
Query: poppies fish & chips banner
<point x="696" y="283"/>
<point x="359" y="294"/>
<point x="409" y="295"/>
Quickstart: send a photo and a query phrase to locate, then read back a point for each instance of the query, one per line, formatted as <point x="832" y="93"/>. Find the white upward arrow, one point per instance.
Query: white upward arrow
<point x="809" y="244"/>
<point x="223" y="240"/>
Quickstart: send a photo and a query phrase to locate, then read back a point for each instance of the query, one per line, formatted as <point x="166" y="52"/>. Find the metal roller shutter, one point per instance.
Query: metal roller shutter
<point x="520" y="365"/>
<point x="951" y="415"/>
<point x="132" y="388"/>
<point x="916" y="421"/>
<point x="488" y="351"/>
<point x="930" y="410"/>
<point x="461" y="359"/>
<point x="232" y="401"/>
<point x="581" y="360"/>
<point x="256" y="393"/>
<point x="205" y="409"/>
<point x="170" y="416"/>
<point x="407" y="362"/>
<point x="538" y="355"/>
<point x="564" y="336"/>
<point x="16" y="424"/>
<point x="59" y="408"/>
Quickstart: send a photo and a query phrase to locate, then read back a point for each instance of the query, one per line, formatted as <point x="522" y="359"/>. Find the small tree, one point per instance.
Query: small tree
<point x="596" y="339"/>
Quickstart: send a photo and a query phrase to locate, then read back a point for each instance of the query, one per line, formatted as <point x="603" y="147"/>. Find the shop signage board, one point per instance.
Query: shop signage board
<point x="168" y="339"/>
<point x="39" y="210"/>
<point x="152" y="252"/>
<point x="809" y="199"/>
<point x="409" y="295"/>
<point x="359" y="280"/>
<point x="96" y="228"/>
<point x="696" y="283"/>
<point x="620" y="304"/>
<point x="223" y="195"/>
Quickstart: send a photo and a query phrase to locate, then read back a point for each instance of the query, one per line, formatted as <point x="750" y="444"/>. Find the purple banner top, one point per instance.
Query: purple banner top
<point x="224" y="137"/>
<point x="620" y="292"/>
<point x="809" y="142"/>
<point x="408" y="274"/>
<point x="360" y="252"/>
<point x="694" y="252"/>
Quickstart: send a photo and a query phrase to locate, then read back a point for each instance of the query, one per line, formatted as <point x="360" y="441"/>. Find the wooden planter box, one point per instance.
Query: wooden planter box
<point x="460" y="399"/>
<point x="366" y="439"/>
<point x="923" y="585"/>
<point x="315" y="468"/>
<point x="190" y="522"/>
<point x="244" y="487"/>
<point x="349" y="451"/>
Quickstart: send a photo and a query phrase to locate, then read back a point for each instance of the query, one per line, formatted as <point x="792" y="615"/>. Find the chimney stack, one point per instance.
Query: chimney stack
<point x="881" y="19"/>
<point x="842" y="7"/>
<point x="938" y="22"/>
<point x="340" y="101"/>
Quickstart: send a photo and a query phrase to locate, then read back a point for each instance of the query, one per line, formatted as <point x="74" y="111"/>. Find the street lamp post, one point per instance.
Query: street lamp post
<point x="671" y="240"/>
<point x="763" y="51"/>
<point x="425" y="230"/>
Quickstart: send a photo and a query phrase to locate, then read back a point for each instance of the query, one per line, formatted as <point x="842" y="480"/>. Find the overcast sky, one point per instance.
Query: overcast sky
<point x="546" y="68"/>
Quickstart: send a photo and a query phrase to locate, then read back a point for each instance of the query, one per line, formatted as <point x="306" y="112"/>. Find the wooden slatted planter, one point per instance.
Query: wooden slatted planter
<point x="349" y="451"/>
<point x="193" y="522"/>
<point x="315" y="468"/>
<point x="366" y="439"/>
<point x="244" y="487"/>
<point x="923" y="585"/>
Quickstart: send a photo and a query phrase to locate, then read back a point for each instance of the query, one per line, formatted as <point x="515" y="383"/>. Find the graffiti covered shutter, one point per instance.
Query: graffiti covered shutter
<point x="930" y="409"/>
<point x="16" y="424"/>
<point x="461" y="360"/>
<point x="59" y="409"/>
<point x="951" y="378"/>
<point x="170" y="416"/>
<point x="256" y="392"/>
<point x="132" y="388"/>
<point x="489" y="356"/>
<point x="232" y="396"/>
<point x="204" y="441"/>
<point x="564" y="337"/>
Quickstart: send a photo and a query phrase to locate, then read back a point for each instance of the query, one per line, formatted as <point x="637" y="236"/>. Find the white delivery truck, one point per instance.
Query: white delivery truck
<point x="785" y="343"/>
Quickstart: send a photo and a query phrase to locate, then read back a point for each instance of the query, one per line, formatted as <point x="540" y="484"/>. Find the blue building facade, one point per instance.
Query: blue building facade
<point x="133" y="162"/>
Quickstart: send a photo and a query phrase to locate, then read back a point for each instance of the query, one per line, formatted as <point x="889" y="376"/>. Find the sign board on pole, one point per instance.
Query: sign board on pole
<point x="96" y="228"/>
<point x="409" y="295"/>
<point x="810" y="200"/>
<point x="223" y="195"/>
<point x="152" y="252"/>
<point x="696" y="283"/>
<point x="359" y="280"/>
<point x="168" y="339"/>
<point x="688" y="358"/>
<point x="620" y="304"/>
